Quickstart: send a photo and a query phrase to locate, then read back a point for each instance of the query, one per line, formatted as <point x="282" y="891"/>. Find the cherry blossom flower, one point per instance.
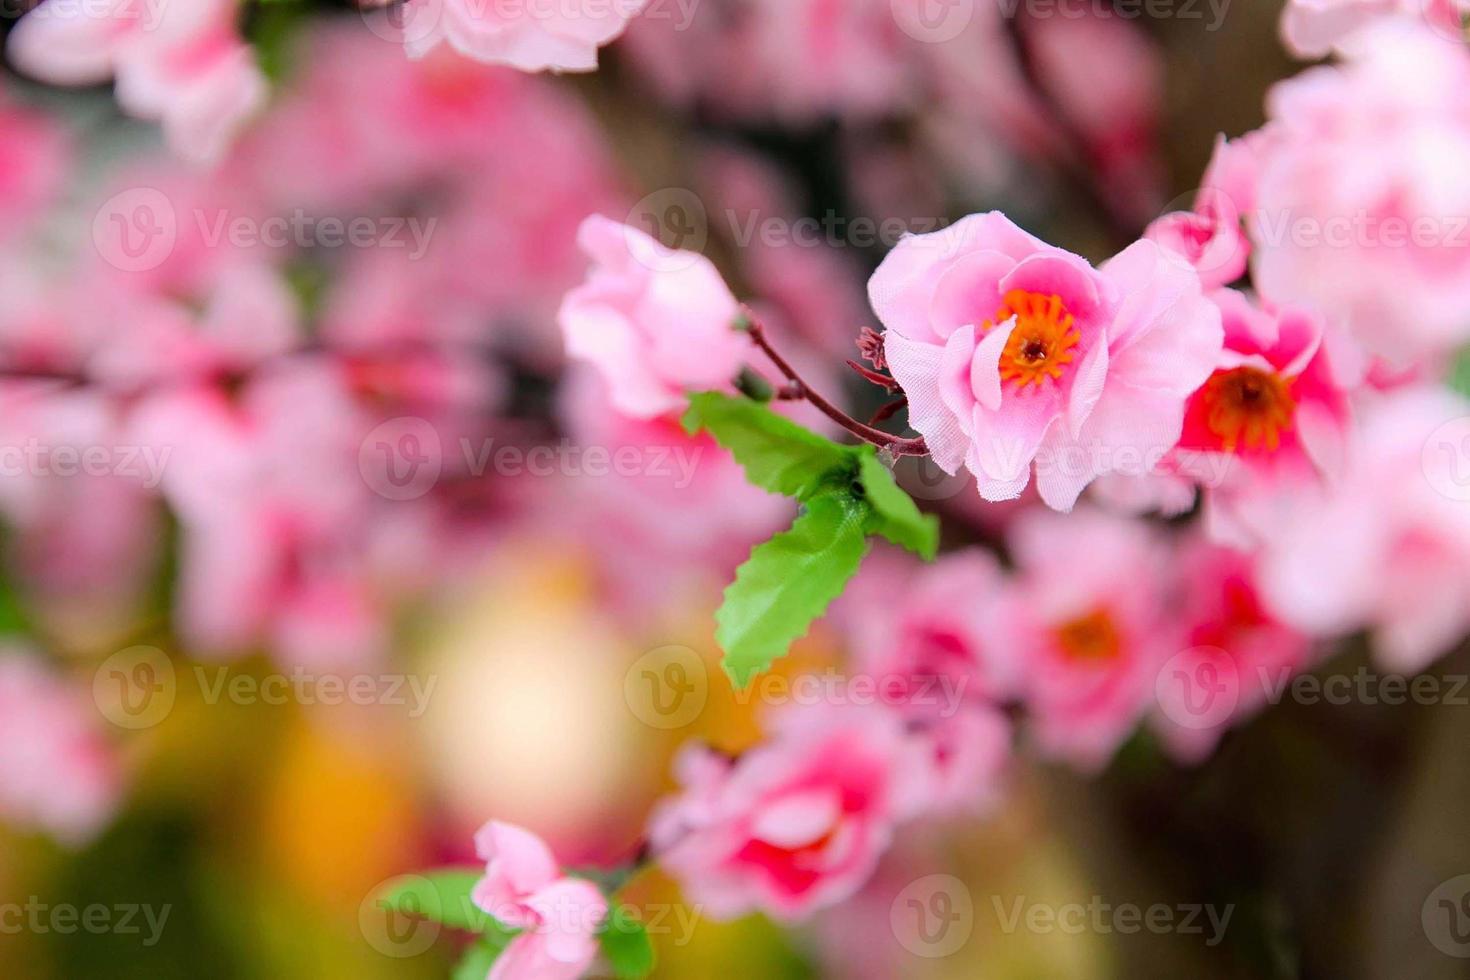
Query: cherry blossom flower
<point x="57" y="773"/>
<point x="1388" y="549"/>
<point x="1014" y="352"/>
<point x="1271" y="418"/>
<point x="1211" y="237"/>
<point x="1085" y="619"/>
<point x="523" y="888"/>
<point x="925" y="635"/>
<point x="1233" y="652"/>
<point x="797" y="823"/>
<point x="1376" y="241"/>
<point x="561" y="36"/>
<point x="182" y="64"/>
<point x="655" y="322"/>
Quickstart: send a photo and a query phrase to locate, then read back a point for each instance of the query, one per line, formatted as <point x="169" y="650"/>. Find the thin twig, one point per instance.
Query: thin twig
<point x="896" y="445"/>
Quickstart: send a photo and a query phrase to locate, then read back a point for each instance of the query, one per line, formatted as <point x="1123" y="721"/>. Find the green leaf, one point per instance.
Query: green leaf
<point x="789" y="581"/>
<point x="626" y="946"/>
<point x="895" y="515"/>
<point x="778" y="455"/>
<point x="1460" y="373"/>
<point x="440" y="896"/>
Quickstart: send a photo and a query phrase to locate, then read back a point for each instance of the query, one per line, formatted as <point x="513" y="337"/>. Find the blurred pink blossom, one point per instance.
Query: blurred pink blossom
<point x="183" y="64"/>
<point x="1378" y="241"/>
<point x="1388" y="550"/>
<point x="524" y="889"/>
<point x="1313" y="28"/>
<point x="561" y="36"/>
<point x="655" y="322"/>
<point x="1232" y="648"/>
<point x="1084" y="620"/>
<point x="1012" y="351"/>
<point x="57" y="772"/>
<point x="797" y="823"/>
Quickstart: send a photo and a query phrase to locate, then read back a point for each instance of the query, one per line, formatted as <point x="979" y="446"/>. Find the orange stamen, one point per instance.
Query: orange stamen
<point x="1091" y="638"/>
<point x="1248" y="405"/>
<point x="1042" y="342"/>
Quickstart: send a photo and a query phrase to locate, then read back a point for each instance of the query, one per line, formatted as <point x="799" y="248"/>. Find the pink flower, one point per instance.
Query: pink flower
<point x="530" y="36"/>
<point x="913" y="624"/>
<point x="1313" y="28"/>
<point x="1084" y="620"/>
<point x="1376" y="241"/>
<point x="1211" y="237"/>
<point x="1012" y="351"/>
<point x="524" y="889"/>
<point x="1388" y="549"/>
<point x="925" y="636"/>
<point x="57" y="773"/>
<point x="796" y="824"/>
<point x="654" y="321"/>
<point x="1234" y="653"/>
<point x="1269" y="419"/>
<point x="183" y="64"/>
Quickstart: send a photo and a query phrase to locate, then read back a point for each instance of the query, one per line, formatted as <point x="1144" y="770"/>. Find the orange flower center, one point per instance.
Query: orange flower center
<point x="1042" y="342"/>
<point x="1091" y="638"/>
<point x="1250" y="406"/>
